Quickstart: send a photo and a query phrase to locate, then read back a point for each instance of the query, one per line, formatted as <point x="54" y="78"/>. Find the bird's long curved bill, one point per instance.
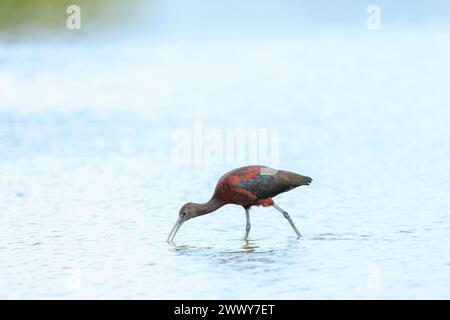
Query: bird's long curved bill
<point x="175" y="229"/>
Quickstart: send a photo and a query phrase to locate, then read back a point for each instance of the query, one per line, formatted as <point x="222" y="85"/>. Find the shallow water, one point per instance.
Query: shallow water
<point x="89" y="191"/>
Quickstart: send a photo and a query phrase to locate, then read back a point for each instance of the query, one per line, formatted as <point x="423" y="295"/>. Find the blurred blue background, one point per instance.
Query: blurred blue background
<point x="89" y="191"/>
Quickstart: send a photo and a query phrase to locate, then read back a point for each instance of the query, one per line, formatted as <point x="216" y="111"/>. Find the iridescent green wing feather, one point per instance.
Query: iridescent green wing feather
<point x="270" y="182"/>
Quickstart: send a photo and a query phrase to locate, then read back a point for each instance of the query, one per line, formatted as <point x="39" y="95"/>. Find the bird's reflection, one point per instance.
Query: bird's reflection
<point x="237" y="246"/>
<point x="249" y="246"/>
<point x="186" y="248"/>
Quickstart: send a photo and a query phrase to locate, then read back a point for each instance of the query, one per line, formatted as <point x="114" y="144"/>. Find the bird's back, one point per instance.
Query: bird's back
<point x="246" y="185"/>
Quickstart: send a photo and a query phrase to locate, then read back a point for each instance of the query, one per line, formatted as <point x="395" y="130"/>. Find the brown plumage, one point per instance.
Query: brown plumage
<point x="247" y="186"/>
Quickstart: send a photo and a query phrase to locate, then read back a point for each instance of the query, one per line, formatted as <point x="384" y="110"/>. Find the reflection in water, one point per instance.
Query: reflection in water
<point x="246" y="252"/>
<point x="238" y="256"/>
<point x="248" y="247"/>
<point x="188" y="248"/>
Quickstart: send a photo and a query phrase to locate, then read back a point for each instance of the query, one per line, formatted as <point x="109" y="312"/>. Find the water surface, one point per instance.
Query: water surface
<point x="89" y="192"/>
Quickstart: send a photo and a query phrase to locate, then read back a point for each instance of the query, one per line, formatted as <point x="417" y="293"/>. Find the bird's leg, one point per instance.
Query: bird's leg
<point x="248" y="226"/>
<point x="286" y="215"/>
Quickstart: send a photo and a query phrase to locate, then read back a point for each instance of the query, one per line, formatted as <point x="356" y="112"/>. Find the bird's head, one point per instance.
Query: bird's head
<point x="191" y="210"/>
<point x="187" y="211"/>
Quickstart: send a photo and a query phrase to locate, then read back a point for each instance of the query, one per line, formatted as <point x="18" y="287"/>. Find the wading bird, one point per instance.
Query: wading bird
<point x="247" y="186"/>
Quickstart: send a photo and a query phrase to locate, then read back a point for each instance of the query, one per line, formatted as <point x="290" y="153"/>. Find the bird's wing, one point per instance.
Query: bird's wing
<point x="269" y="182"/>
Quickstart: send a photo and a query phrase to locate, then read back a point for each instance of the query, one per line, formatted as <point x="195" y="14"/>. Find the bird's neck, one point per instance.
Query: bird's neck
<point x="210" y="206"/>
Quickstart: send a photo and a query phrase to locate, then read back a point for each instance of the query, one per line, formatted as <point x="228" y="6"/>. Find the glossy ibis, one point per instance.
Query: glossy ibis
<point x="247" y="186"/>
